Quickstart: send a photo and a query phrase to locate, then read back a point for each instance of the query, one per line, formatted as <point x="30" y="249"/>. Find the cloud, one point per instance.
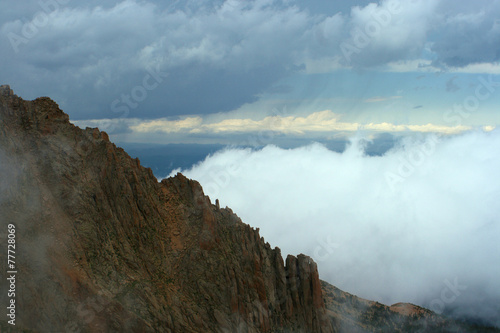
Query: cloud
<point x="381" y="99"/>
<point x="469" y="34"/>
<point x="386" y="32"/>
<point x="429" y="66"/>
<point x="317" y="125"/>
<point x="234" y="49"/>
<point x="396" y="227"/>
<point x="451" y="34"/>
<point x="220" y="55"/>
<point x="415" y="65"/>
<point x="476" y="68"/>
<point x="168" y="126"/>
<point x="241" y="35"/>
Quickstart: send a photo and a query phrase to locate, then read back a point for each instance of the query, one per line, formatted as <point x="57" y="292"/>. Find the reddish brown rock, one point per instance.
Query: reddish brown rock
<point x="104" y="246"/>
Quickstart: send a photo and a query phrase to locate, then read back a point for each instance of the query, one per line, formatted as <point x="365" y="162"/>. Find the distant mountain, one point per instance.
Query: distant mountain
<point x="349" y="313"/>
<point x="102" y="246"/>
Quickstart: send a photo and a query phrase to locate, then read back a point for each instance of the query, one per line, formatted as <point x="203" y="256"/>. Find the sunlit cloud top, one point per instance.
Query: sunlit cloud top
<point x="318" y="125"/>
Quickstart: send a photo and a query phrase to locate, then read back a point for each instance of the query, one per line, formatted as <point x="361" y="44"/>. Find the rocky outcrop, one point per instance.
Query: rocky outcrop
<point x="102" y="246"/>
<point x="352" y="314"/>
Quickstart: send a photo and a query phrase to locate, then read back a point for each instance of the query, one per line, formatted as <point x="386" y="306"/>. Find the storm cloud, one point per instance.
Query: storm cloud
<point x="215" y="56"/>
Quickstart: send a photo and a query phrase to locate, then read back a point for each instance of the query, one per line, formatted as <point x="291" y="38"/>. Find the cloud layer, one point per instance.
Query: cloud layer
<point x="223" y="54"/>
<point x="404" y="226"/>
<point x="317" y="125"/>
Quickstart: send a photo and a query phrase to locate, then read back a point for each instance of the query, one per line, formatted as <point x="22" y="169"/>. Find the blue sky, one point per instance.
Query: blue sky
<point x="216" y="71"/>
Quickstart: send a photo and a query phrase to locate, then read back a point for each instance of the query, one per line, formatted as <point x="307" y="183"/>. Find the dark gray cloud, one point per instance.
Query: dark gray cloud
<point x="469" y="33"/>
<point x="220" y="54"/>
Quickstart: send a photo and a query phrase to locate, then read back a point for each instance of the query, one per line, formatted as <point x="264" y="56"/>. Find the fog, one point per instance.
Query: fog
<point x="418" y="224"/>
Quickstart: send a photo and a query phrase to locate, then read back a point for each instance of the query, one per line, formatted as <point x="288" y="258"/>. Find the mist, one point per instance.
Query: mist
<point x="418" y="224"/>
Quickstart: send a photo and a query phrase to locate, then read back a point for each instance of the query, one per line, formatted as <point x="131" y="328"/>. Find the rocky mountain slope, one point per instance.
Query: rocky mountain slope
<point x="102" y="246"/>
<point x="349" y="313"/>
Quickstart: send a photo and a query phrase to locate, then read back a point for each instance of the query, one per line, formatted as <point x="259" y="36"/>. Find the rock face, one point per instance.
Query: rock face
<point x="102" y="246"/>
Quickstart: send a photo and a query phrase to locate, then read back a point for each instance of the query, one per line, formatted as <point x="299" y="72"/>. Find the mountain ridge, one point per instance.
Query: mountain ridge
<point x="100" y="222"/>
<point x="104" y="246"/>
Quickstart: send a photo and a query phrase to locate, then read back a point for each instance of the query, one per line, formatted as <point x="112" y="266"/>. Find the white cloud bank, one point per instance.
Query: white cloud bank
<point x="419" y="224"/>
<point x="323" y="122"/>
